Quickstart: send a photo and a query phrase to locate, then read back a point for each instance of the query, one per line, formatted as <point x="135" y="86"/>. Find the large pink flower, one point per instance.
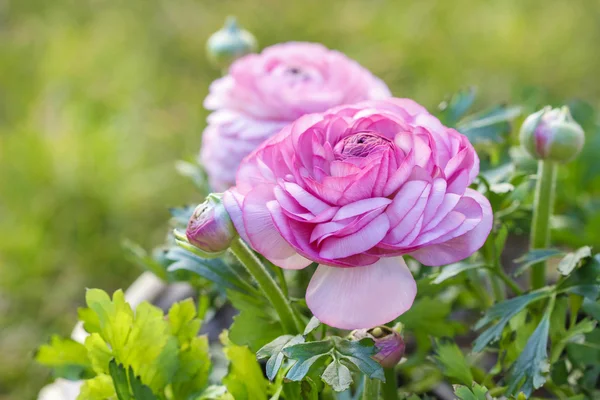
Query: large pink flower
<point x="264" y="92"/>
<point x="354" y="189"/>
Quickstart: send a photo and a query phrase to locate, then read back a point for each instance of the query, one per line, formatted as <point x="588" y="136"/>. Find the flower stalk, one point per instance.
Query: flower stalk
<point x="267" y="284"/>
<point x="390" y="387"/>
<point x="370" y="389"/>
<point x="543" y="205"/>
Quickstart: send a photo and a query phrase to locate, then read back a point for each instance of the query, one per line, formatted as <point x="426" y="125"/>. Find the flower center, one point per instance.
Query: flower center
<point x="294" y="74"/>
<point x="361" y="145"/>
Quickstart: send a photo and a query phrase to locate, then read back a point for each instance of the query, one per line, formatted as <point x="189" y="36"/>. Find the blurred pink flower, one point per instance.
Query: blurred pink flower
<point x="354" y="189"/>
<point x="264" y="92"/>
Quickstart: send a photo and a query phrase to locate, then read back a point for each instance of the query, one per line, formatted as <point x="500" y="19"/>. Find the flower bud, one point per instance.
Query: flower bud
<point x="552" y="134"/>
<point x="389" y="344"/>
<point x="210" y="229"/>
<point x="229" y="43"/>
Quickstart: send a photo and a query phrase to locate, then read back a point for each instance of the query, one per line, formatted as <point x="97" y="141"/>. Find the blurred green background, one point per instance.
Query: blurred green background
<point x="99" y="98"/>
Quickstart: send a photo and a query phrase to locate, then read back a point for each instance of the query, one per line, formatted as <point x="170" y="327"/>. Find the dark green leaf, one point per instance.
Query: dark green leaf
<point x="452" y="110"/>
<point x="359" y="353"/>
<point x="592" y="308"/>
<point x="503" y="311"/>
<point x="573" y="259"/>
<point x="140" y="391"/>
<point x="534" y="257"/>
<point x="119" y="376"/>
<point x="452" y="270"/>
<point x="338" y="376"/>
<point x="274" y="351"/>
<point x="528" y="371"/>
<point x="305" y="355"/>
<point x="213" y="269"/>
<point x="452" y="362"/>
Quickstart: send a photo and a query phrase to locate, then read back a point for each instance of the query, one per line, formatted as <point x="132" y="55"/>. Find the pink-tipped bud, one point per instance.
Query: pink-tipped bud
<point x="552" y="134"/>
<point x="389" y="344"/>
<point x="210" y="229"/>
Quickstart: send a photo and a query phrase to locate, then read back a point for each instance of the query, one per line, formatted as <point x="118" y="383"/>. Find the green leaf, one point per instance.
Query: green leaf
<point x="98" y="388"/>
<point x="583" y="281"/>
<point x="194" y="368"/>
<point x="452" y="270"/>
<point x="503" y="311"/>
<point x="583" y="354"/>
<point x="527" y="373"/>
<point x="452" y="110"/>
<point x="274" y="351"/>
<point x="213" y="269"/>
<point x="311" y="326"/>
<point x="337" y="375"/>
<point x="592" y="308"/>
<point x="119" y="377"/>
<point x="489" y="125"/>
<point x="452" y="361"/>
<point x="138" y="255"/>
<point x="534" y="257"/>
<point x="573" y="259"/>
<point x="66" y="357"/>
<point x="114" y="317"/>
<point x="245" y="380"/>
<point x="305" y="355"/>
<point x="182" y="321"/>
<point x="359" y="353"/>
<point x="477" y="392"/>
<point x="140" y="391"/>
<point x="98" y="352"/>
<point x="254" y="329"/>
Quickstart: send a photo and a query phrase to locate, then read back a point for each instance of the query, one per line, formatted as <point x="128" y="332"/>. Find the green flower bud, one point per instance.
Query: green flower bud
<point x="389" y="344"/>
<point x="552" y="134"/>
<point x="210" y="228"/>
<point x="229" y="44"/>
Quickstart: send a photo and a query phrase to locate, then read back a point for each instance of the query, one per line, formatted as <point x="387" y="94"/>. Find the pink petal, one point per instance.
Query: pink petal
<point x="462" y="246"/>
<point x="232" y="201"/>
<point x="356" y="243"/>
<point x="361" y="297"/>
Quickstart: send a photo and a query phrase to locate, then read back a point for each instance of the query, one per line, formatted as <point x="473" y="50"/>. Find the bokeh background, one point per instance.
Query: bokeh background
<point x="99" y="98"/>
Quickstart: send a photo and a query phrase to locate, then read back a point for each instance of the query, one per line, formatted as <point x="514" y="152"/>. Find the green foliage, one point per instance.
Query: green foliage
<point x="533" y="257"/>
<point x="476" y="392"/>
<point x="573" y="259"/>
<point x="142" y="355"/>
<point x="452" y="362"/>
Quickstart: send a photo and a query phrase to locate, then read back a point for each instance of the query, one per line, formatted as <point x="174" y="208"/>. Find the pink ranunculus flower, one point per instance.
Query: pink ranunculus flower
<point x="264" y="92"/>
<point x="354" y="189"/>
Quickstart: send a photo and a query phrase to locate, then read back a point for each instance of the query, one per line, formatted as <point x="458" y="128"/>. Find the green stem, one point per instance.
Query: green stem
<point x="497" y="288"/>
<point x="268" y="285"/>
<point x="508" y="281"/>
<point x="370" y="389"/>
<point x="390" y="387"/>
<point x="543" y="204"/>
<point x="476" y="286"/>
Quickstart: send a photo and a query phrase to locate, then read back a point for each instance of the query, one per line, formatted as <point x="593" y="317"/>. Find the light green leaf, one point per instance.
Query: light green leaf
<point x="573" y="259"/>
<point x="67" y="357"/>
<point x="245" y="380"/>
<point x="254" y="329"/>
<point x="311" y="326"/>
<point x="452" y="270"/>
<point x="477" y="392"/>
<point x="338" y="376"/>
<point x="194" y="368"/>
<point x="534" y="257"/>
<point x="183" y="322"/>
<point x="98" y="388"/>
<point x="98" y="352"/>
<point x="453" y="362"/>
<point x="114" y="317"/>
<point x="503" y="311"/>
<point x="527" y="373"/>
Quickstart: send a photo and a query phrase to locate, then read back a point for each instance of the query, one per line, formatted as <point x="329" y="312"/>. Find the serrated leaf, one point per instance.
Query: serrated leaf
<point x="66" y="357"/>
<point x="114" y="317"/>
<point x="503" y="311"/>
<point x="99" y="387"/>
<point x="213" y="269"/>
<point x="98" y="352"/>
<point x="477" y="392"/>
<point x="119" y="377"/>
<point x="359" y="353"/>
<point x="305" y="355"/>
<point x="183" y="322"/>
<point x="338" y="376"/>
<point x="274" y="351"/>
<point x="533" y="257"/>
<point x="527" y="373"/>
<point x="453" y="362"/>
<point x="311" y="326"/>
<point x="245" y="380"/>
<point x="573" y="259"/>
<point x="194" y="368"/>
<point x="254" y="329"/>
<point x="452" y="270"/>
<point x="140" y="391"/>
